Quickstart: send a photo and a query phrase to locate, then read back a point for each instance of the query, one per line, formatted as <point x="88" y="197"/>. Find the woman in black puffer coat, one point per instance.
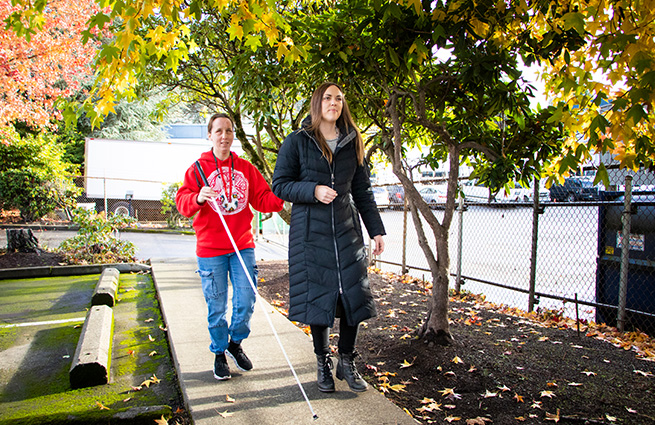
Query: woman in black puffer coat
<point x="320" y="169"/>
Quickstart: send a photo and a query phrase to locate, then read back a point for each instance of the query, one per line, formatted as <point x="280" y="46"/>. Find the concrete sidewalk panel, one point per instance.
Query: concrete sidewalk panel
<point x="268" y="394"/>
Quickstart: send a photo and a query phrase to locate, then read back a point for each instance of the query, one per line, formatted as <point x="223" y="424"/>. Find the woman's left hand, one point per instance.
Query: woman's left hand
<point x="379" y="245"/>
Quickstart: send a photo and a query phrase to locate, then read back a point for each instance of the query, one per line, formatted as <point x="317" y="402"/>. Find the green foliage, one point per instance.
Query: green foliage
<point x="98" y="239"/>
<point x="33" y="176"/>
<point x="168" y="207"/>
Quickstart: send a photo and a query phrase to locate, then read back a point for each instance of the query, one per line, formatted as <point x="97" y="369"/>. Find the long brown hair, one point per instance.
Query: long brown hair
<point x="345" y="121"/>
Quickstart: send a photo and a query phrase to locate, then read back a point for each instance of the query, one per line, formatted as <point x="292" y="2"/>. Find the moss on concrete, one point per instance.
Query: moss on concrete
<point x="140" y="359"/>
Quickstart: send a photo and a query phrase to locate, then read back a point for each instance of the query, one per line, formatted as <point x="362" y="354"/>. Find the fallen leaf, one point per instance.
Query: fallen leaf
<point x="642" y="373"/>
<point x="161" y="421"/>
<point x="430" y="407"/>
<point x="101" y="406"/>
<point x="630" y="410"/>
<point x="518" y="398"/>
<point x="163" y="328"/>
<point x="125" y="400"/>
<point x="427" y="400"/>
<point x="575" y="384"/>
<point x="489" y="394"/>
<point x="406" y="364"/>
<point x="610" y="418"/>
<point x="152" y="353"/>
<point x="548" y="394"/>
<point x="457" y="360"/>
<point x="478" y="421"/>
<point x="398" y="387"/>
<point x="151" y="338"/>
<point x="447" y="391"/>
<point x="225" y="414"/>
<point x="229" y="399"/>
<point x="535" y="405"/>
<point x="452" y="418"/>
<point x="552" y="417"/>
<point x="149" y="320"/>
<point x="472" y="369"/>
<point x="504" y="388"/>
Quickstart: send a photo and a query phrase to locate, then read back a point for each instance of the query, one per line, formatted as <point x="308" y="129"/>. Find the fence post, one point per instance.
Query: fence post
<point x="460" y="238"/>
<point x="536" y="210"/>
<point x="104" y="195"/>
<point x="404" y="253"/>
<point x="625" y="252"/>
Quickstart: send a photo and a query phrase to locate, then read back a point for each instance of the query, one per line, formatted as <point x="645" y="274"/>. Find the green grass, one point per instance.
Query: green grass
<point x="37" y="390"/>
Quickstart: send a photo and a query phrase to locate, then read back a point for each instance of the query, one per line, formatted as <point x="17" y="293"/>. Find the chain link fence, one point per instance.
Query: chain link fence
<point x="141" y="199"/>
<point x="563" y="255"/>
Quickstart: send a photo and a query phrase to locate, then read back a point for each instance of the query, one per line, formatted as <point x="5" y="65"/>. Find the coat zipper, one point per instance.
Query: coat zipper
<point x="334" y="234"/>
<point x="334" y="229"/>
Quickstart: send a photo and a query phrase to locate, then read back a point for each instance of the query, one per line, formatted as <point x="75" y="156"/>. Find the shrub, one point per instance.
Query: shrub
<point x="33" y="177"/>
<point x="98" y="239"/>
<point x="168" y="207"/>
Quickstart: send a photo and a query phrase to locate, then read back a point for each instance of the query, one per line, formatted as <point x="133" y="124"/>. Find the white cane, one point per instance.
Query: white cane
<point x="254" y="288"/>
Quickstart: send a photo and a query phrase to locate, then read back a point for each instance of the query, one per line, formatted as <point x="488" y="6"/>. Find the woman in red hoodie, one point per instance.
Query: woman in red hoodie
<point x="235" y="184"/>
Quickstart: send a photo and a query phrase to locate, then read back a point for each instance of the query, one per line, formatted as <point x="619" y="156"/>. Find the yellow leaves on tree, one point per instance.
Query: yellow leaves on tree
<point x="35" y="73"/>
<point x="603" y="86"/>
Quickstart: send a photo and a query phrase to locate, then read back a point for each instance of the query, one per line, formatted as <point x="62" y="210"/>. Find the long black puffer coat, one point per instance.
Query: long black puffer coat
<point x="327" y="257"/>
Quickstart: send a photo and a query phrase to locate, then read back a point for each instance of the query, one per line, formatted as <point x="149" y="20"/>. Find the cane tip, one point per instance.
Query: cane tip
<point x="315" y="416"/>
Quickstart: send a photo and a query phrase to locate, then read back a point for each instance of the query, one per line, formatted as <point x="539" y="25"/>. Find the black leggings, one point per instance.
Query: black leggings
<point x="347" y="338"/>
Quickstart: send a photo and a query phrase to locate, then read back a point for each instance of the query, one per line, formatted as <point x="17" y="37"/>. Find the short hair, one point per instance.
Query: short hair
<point x="216" y="116"/>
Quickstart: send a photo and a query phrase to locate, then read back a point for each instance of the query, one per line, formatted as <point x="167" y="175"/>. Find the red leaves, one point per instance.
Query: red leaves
<point x="32" y="72"/>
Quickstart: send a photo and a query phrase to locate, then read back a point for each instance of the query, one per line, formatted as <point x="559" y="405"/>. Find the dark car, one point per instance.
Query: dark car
<point x="574" y="189"/>
<point x="396" y="194"/>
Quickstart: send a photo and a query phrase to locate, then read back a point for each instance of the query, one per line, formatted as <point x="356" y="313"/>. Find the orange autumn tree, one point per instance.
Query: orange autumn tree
<point x="39" y="69"/>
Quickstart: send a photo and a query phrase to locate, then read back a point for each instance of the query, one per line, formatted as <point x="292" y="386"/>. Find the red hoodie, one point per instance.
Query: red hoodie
<point x="243" y="185"/>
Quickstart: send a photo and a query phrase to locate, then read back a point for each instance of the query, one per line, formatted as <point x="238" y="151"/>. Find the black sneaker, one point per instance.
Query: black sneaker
<point x="221" y="369"/>
<point x="242" y="361"/>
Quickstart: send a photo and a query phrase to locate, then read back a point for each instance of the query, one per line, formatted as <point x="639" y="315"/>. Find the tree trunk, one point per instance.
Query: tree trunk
<point x="22" y="240"/>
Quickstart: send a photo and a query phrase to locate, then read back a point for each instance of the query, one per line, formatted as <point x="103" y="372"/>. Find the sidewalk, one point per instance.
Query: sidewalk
<point x="269" y="393"/>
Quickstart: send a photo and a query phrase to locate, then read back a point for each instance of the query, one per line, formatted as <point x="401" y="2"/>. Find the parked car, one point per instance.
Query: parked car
<point x="476" y="193"/>
<point x="574" y="189"/>
<point x="435" y="196"/>
<point x="396" y="195"/>
<point x="516" y="194"/>
<point x="381" y="197"/>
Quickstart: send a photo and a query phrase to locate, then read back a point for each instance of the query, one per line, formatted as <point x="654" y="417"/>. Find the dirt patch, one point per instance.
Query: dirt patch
<point x="505" y="367"/>
<point x="12" y="260"/>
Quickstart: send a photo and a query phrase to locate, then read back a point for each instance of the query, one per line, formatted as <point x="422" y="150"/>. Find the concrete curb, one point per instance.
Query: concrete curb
<point x="105" y="292"/>
<point x="76" y="228"/>
<point x="49" y="271"/>
<point x="92" y="360"/>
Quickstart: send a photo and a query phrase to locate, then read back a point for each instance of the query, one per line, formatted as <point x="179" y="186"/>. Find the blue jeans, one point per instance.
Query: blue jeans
<point x="214" y="273"/>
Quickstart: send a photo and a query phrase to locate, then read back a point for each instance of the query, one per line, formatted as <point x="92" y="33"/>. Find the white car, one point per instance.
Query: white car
<point x="435" y="196"/>
<point x="475" y="193"/>
<point x="381" y="197"/>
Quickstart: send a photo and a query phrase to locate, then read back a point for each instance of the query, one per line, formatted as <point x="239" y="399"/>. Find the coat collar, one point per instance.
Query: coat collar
<point x="346" y="135"/>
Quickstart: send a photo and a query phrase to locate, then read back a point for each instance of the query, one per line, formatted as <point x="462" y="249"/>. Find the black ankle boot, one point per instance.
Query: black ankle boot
<point x="324" y="373"/>
<point x="347" y="370"/>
